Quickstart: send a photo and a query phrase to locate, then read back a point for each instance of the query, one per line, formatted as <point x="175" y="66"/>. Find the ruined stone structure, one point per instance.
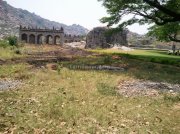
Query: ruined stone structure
<point x="72" y="38"/>
<point x="46" y="36"/>
<point x="41" y="36"/>
<point x="99" y="38"/>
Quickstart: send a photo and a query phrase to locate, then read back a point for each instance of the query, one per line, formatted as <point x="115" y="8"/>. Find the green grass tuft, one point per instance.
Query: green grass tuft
<point x="105" y="89"/>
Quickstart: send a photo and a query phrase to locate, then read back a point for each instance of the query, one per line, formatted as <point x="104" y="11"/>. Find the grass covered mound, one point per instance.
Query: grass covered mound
<point x="87" y="101"/>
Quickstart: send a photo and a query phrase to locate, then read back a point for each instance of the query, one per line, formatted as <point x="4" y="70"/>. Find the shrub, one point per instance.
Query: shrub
<point x="3" y="43"/>
<point x="165" y="61"/>
<point x="107" y="60"/>
<point x="17" y="51"/>
<point x="59" y="67"/>
<point x="152" y="60"/>
<point x="12" y="40"/>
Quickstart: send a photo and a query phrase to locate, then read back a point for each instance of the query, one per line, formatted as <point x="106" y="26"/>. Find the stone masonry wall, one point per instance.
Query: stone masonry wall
<point x="98" y="38"/>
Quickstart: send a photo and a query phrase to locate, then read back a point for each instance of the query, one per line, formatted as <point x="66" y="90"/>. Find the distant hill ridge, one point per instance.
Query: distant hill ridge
<point x="11" y="18"/>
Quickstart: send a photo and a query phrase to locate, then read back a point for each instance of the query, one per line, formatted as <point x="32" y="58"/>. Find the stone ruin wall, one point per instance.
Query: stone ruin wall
<point x="98" y="38"/>
<point x="46" y="36"/>
<point x="72" y="38"/>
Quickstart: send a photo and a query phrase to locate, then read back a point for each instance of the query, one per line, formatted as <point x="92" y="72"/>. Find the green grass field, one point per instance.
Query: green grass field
<point x="78" y="101"/>
<point x="156" y="56"/>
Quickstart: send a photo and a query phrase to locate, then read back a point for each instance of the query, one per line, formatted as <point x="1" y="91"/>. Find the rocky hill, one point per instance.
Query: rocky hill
<point x="135" y="39"/>
<point x="11" y="18"/>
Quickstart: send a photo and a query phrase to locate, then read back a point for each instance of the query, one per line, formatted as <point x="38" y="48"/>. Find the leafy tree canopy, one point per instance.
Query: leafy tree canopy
<point x="167" y="32"/>
<point x="165" y="14"/>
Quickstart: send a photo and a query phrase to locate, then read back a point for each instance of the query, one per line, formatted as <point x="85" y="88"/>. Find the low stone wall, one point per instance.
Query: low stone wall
<point x="95" y="67"/>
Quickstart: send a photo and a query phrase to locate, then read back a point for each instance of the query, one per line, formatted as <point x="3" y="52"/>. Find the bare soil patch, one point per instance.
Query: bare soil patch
<point x="9" y="84"/>
<point x="2" y="62"/>
<point x="41" y="55"/>
<point x="145" y="88"/>
<point x="177" y="106"/>
<point x="66" y="53"/>
<point x="55" y="50"/>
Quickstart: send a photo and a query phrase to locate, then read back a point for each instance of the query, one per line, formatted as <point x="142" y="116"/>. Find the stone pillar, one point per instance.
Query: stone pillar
<point x="27" y="38"/>
<point x="54" y="40"/>
<point x="20" y="35"/>
<point x="47" y="40"/>
<point x="62" y="39"/>
<point x="36" y="39"/>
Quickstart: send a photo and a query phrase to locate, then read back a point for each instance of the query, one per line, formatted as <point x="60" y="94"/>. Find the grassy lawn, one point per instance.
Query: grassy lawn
<point x="140" y="64"/>
<point x="156" y="56"/>
<point x="77" y="101"/>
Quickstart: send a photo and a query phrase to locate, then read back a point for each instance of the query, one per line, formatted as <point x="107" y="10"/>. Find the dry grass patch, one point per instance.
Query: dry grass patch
<point x="75" y="101"/>
<point x="82" y="102"/>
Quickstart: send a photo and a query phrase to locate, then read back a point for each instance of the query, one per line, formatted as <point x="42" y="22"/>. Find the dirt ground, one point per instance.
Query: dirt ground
<point x="145" y="88"/>
<point x="47" y="54"/>
<point x="7" y="84"/>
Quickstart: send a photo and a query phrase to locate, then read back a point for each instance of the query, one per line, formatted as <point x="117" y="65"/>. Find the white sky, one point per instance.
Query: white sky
<point x="84" y="12"/>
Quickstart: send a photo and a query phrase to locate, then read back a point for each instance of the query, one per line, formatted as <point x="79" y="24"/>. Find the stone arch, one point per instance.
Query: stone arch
<point x="24" y="37"/>
<point x="40" y="39"/>
<point x="49" y="39"/>
<point x="57" y="39"/>
<point x="32" y="39"/>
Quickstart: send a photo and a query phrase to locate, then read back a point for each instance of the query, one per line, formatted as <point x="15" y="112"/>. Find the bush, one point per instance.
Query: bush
<point x="12" y="40"/>
<point x="17" y="51"/>
<point x="107" y="60"/>
<point x="4" y="43"/>
<point x="59" y="67"/>
<point x="152" y="60"/>
<point x="165" y="61"/>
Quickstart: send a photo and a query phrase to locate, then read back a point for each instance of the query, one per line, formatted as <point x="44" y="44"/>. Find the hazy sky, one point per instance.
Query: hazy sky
<point x="84" y="12"/>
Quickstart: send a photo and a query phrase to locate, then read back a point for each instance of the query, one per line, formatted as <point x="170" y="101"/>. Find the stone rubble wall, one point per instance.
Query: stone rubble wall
<point x="98" y="38"/>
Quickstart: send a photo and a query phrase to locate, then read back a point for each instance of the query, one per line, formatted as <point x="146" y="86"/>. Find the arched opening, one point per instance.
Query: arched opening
<point x="57" y="40"/>
<point x="40" y="39"/>
<point x="49" y="39"/>
<point x="24" y="38"/>
<point x="32" y="39"/>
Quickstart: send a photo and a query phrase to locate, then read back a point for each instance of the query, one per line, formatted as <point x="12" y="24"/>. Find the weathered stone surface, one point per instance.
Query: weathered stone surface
<point x="46" y="36"/>
<point x="95" y="67"/>
<point x="99" y="38"/>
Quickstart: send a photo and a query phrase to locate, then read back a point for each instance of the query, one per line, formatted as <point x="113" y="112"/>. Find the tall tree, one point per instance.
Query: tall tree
<point x="162" y="13"/>
<point x="167" y="32"/>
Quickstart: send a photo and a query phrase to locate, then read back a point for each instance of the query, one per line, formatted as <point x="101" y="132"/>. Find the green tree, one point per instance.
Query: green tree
<point x="167" y="32"/>
<point x="162" y="13"/>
